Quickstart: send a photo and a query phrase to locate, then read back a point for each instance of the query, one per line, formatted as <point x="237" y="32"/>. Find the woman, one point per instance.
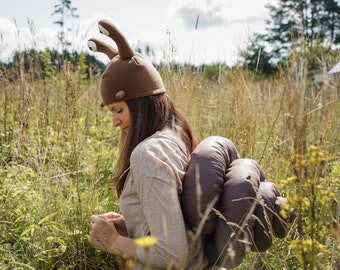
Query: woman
<point x="156" y="144"/>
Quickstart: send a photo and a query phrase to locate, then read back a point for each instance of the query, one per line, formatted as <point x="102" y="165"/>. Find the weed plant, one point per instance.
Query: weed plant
<point x="58" y="151"/>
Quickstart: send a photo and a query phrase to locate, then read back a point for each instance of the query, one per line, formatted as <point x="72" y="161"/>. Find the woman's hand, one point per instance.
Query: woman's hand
<point x="118" y="221"/>
<point x="103" y="234"/>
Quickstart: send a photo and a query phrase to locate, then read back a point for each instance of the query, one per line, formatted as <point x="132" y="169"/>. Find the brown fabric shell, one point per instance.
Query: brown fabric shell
<point x="228" y="201"/>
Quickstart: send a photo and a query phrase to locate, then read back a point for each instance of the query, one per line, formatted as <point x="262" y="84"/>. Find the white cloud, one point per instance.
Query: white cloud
<point x="7" y="33"/>
<point x="194" y="17"/>
<point x="13" y="38"/>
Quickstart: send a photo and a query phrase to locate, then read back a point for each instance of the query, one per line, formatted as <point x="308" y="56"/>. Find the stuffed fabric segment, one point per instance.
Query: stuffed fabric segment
<point x="269" y="222"/>
<point x="232" y="238"/>
<point x="227" y="200"/>
<point x="204" y="179"/>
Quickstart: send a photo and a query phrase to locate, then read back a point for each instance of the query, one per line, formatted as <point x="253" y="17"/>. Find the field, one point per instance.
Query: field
<point x="58" y="150"/>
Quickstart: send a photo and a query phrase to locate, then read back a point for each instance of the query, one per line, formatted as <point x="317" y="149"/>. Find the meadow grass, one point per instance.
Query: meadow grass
<point x="58" y="151"/>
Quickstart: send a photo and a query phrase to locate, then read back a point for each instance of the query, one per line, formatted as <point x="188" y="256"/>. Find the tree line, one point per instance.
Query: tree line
<point x="48" y="63"/>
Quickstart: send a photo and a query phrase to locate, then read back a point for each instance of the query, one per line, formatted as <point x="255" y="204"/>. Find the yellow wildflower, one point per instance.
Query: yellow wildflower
<point x="146" y="241"/>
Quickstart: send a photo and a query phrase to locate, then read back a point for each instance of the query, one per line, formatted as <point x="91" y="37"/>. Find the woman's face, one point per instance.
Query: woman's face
<point x="120" y="115"/>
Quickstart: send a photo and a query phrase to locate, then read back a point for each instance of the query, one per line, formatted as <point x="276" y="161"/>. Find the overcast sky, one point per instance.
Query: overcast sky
<point x="167" y="26"/>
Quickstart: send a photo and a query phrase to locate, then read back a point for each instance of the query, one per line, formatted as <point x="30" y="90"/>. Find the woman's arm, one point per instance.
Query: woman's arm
<point x="156" y="171"/>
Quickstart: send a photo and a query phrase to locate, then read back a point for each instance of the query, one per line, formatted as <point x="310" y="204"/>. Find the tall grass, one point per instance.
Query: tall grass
<point x="58" y="148"/>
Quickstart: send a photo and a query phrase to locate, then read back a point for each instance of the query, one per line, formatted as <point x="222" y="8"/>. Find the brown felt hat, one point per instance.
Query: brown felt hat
<point x="129" y="74"/>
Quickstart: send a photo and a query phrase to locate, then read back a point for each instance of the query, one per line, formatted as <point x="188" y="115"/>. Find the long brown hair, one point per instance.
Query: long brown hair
<point x="148" y="115"/>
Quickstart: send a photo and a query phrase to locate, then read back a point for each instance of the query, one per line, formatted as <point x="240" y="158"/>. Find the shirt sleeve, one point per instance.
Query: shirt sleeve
<point x="157" y="169"/>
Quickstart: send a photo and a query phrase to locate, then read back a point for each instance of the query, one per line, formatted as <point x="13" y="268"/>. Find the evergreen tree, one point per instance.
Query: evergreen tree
<point x="256" y="58"/>
<point x="333" y="9"/>
<point x="64" y="10"/>
<point x="297" y="22"/>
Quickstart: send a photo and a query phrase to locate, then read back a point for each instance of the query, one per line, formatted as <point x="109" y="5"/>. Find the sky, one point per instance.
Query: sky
<point x="169" y="27"/>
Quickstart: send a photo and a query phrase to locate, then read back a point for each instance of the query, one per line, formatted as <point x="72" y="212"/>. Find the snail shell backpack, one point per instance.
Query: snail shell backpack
<point x="227" y="200"/>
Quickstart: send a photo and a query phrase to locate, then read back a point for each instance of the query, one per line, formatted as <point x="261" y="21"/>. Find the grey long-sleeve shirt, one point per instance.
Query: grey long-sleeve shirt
<point x="150" y="199"/>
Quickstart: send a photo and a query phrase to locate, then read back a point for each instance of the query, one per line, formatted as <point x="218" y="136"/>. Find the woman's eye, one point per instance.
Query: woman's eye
<point x="120" y="111"/>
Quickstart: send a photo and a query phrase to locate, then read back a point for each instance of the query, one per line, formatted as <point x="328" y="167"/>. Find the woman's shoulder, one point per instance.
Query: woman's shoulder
<point x="165" y="142"/>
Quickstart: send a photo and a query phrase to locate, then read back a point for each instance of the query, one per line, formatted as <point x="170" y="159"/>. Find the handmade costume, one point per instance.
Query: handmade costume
<point x="229" y="208"/>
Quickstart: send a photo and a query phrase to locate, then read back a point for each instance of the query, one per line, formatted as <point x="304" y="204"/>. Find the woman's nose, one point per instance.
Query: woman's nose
<point x="115" y="121"/>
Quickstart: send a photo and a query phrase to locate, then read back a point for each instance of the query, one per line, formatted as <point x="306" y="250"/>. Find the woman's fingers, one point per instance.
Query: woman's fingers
<point x="111" y="215"/>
